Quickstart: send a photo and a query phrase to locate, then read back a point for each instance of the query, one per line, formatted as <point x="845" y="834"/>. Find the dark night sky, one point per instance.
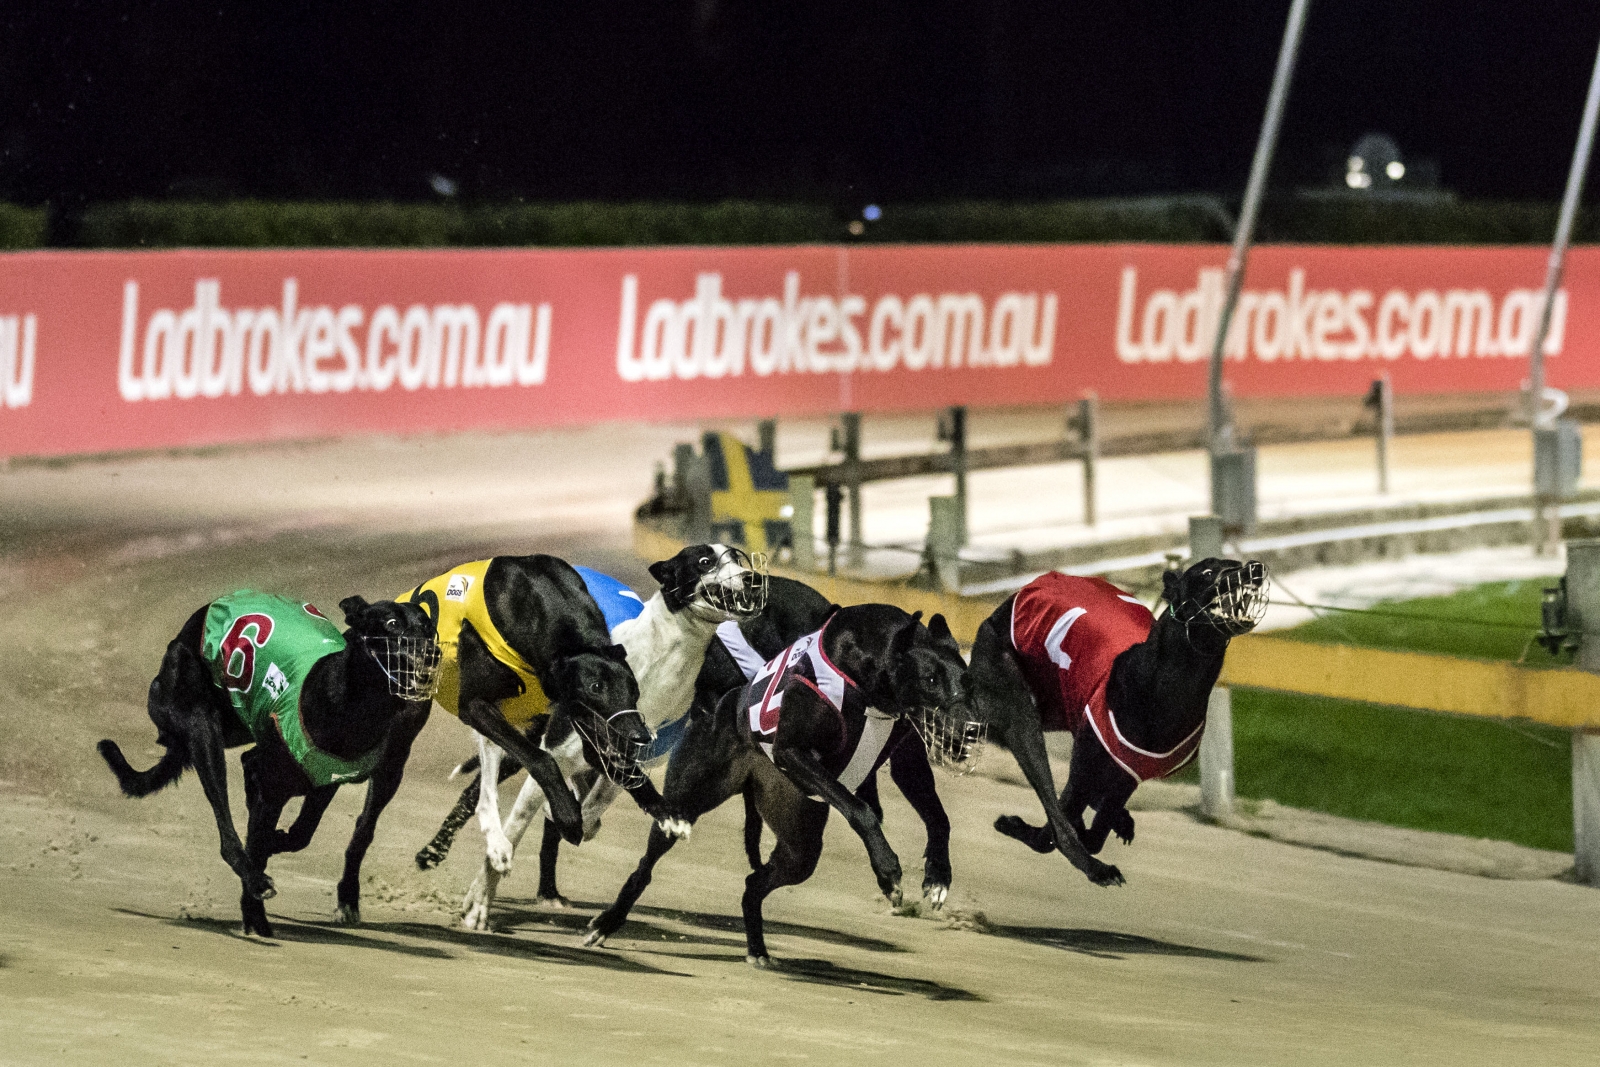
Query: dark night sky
<point x="830" y="99"/>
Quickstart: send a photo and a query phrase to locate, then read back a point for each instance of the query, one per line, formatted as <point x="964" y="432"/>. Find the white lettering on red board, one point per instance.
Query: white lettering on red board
<point x="210" y="350"/>
<point x="18" y="338"/>
<point x="709" y="335"/>
<point x="1330" y="324"/>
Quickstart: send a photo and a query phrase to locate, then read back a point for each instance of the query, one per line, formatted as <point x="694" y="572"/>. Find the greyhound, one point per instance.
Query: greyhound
<point x="808" y="726"/>
<point x="522" y="637"/>
<point x="792" y="610"/>
<point x="1078" y="654"/>
<point x="323" y="709"/>
<point x="665" y="638"/>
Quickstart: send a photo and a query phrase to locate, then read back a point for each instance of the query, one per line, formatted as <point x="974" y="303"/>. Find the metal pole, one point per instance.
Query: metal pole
<point x="847" y="439"/>
<point x="1583" y="618"/>
<point x="1087" y="423"/>
<point x="953" y="428"/>
<point x="767" y="438"/>
<point x="1385" y="429"/>
<point x="1558" y="250"/>
<point x="1220" y="424"/>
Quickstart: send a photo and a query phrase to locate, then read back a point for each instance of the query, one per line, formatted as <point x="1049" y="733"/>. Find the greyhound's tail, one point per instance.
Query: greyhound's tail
<point x="752" y="830"/>
<point x="142" y="783"/>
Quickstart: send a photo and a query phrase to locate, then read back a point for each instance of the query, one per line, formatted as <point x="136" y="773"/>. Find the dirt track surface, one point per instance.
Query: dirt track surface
<point x="119" y="924"/>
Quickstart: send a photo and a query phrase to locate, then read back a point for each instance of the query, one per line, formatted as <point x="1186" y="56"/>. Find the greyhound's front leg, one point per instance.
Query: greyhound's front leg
<point x="498" y="851"/>
<point x="600" y="797"/>
<point x="806" y="772"/>
<point x="480" y="896"/>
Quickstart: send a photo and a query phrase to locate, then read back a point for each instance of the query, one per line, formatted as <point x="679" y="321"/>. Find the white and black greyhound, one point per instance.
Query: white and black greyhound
<point x="702" y="587"/>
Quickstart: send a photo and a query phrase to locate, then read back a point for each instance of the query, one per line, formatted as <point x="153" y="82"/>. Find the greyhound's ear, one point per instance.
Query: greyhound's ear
<point x="666" y="576"/>
<point x="1172" y="586"/>
<point x="904" y="638"/>
<point x="916" y="616"/>
<point x="352" y="606"/>
<point x="939" y="628"/>
<point x="616" y="652"/>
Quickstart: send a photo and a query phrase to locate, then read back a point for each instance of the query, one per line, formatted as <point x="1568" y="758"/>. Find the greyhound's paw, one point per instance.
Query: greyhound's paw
<point x="1038" y="838"/>
<point x="675" y="827"/>
<point x="1123" y="827"/>
<point x="258" y="926"/>
<point x="476" y="918"/>
<point x="349" y="914"/>
<point x="935" y="894"/>
<point x="595" y="938"/>
<point x="1105" y="874"/>
<point x="259" y="886"/>
<point x="552" y="900"/>
<point x="760" y="963"/>
<point x="499" y="852"/>
<point x="590" y="830"/>
<point x="429" y="857"/>
<point x="475" y="909"/>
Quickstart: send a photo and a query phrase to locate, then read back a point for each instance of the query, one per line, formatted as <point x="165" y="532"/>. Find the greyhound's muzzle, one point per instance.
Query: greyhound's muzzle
<point x="1238" y="601"/>
<point x="411" y="664"/>
<point x="736" y="586"/>
<point x="952" y="743"/>
<point x="620" y="755"/>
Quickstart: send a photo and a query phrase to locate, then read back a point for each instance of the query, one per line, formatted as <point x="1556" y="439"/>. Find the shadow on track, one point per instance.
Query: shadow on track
<point x="520" y="948"/>
<point x="1110" y="945"/>
<point x="332" y="934"/>
<point x="286" y="931"/>
<point x="576" y="919"/>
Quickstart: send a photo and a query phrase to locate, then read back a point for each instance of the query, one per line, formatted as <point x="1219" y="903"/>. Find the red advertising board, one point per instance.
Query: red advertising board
<point x="111" y="350"/>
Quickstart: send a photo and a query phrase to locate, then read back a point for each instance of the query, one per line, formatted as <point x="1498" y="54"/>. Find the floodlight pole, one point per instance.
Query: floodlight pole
<point x="1221" y="426"/>
<point x="1558" y="249"/>
<point x="1542" y="420"/>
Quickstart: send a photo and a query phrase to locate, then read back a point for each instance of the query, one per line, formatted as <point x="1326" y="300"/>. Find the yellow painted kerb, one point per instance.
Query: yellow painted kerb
<point x="1499" y="690"/>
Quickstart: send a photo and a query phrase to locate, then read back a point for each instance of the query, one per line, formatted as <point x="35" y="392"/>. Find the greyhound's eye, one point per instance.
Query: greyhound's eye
<point x="594" y="687"/>
<point x="705" y="563"/>
<point x="391" y="624"/>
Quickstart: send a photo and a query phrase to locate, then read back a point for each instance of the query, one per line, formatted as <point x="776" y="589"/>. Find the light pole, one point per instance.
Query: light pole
<point x="1232" y="475"/>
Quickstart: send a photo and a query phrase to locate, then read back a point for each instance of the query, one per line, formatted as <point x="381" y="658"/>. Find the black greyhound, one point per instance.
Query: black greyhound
<point x="848" y="695"/>
<point x="1147" y="706"/>
<point x="513" y="623"/>
<point x="793" y="609"/>
<point x="355" y="715"/>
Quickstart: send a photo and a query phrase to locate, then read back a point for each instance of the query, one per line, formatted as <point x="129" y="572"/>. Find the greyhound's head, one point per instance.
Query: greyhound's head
<point x="601" y="696"/>
<point x="400" y="639"/>
<point x="931" y="688"/>
<point x="1224" y="596"/>
<point x="713" y="582"/>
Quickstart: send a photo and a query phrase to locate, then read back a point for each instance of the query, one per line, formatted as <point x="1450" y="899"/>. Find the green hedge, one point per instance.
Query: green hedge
<point x="263" y="224"/>
<point x="22" y="227"/>
<point x="259" y="224"/>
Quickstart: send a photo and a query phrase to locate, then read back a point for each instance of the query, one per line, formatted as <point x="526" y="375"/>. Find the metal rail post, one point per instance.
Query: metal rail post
<point x="833" y="495"/>
<point x="847" y="439"/>
<point x="1583" y="618"/>
<point x="944" y="545"/>
<point x="1216" y="744"/>
<point x="953" y="429"/>
<point x="1221" y="422"/>
<point x="767" y="439"/>
<point x="1544" y="529"/>
<point x="802" y="520"/>
<point x="1086" y="424"/>
<point x="1381" y="400"/>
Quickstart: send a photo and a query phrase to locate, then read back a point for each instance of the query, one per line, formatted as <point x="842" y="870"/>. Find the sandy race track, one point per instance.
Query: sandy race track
<point x="119" y="936"/>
